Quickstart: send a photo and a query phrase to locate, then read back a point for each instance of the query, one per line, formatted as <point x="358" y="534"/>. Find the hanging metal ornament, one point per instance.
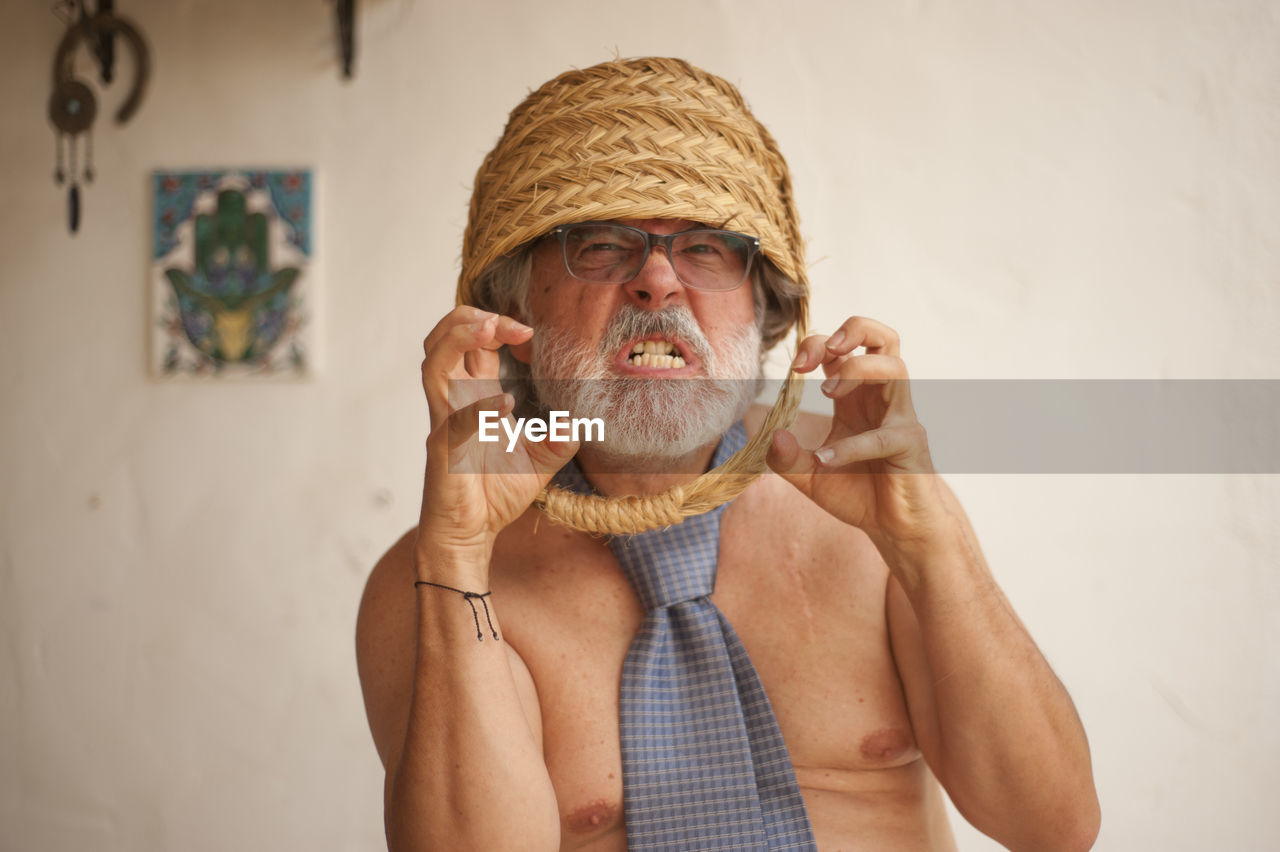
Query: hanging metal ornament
<point x="73" y="107"/>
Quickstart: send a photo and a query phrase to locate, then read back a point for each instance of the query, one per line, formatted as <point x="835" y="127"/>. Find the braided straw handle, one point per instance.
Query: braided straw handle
<point x="599" y="515"/>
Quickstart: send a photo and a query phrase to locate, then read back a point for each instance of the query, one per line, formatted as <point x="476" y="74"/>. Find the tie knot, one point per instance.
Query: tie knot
<point x="673" y="564"/>
<point x="676" y="563"/>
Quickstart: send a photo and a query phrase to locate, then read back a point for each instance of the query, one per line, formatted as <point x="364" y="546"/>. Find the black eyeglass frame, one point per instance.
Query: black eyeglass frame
<point x="561" y="232"/>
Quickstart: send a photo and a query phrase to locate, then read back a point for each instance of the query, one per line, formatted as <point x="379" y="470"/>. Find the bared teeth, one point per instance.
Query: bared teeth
<point x="656" y="353"/>
<point x="654" y="347"/>
<point x="646" y="359"/>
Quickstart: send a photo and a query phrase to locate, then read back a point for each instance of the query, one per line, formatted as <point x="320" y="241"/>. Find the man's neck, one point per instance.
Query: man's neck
<point x="614" y="477"/>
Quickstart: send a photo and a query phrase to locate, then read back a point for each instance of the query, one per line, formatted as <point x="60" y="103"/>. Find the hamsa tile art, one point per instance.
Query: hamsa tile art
<point x="232" y="273"/>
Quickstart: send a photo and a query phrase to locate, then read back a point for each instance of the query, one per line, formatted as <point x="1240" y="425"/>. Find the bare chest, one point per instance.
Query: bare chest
<point x="807" y="600"/>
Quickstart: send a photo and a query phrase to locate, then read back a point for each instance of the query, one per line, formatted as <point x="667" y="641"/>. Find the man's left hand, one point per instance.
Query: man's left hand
<point x="873" y="470"/>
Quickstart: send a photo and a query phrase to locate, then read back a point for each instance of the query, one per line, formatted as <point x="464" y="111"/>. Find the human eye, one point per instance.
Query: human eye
<point x="706" y="246"/>
<point x="600" y="245"/>
<point x="702" y="247"/>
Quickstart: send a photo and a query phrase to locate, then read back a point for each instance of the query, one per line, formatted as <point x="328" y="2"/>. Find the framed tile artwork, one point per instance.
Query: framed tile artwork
<point x="232" y="273"/>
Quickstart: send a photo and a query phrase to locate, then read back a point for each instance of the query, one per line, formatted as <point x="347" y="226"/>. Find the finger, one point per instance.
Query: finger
<point x="511" y="331"/>
<point x="888" y="371"/>
<point x="489" y="334"/>
<point x="856" y="370"/>
<point x="904" y="445"/>
<point x="448" y="347"/>
<point x="497" y="331"/>
<point x="461" y="315"/>
<point x="790" y="461"/>
<point x="864" y="331"/>
<point x="471" y="330"/>
<point x="445" y="349"/>
<point x="811" y="352"/>
<point x="547" y="457"/>
<point x="483" y="362"/>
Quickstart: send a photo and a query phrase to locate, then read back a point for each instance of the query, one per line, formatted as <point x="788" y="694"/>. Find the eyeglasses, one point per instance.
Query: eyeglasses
<point x="703" y="258"/>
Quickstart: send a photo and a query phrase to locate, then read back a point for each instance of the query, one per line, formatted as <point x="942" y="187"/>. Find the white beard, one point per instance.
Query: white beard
<point x="649" y="419"/>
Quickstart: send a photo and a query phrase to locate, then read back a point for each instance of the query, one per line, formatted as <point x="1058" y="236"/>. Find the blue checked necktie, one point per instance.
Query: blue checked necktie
<point x="703" y="763"/>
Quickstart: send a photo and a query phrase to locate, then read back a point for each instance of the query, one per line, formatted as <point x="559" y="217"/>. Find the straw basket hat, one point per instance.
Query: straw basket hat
<point x="649" y="138"/>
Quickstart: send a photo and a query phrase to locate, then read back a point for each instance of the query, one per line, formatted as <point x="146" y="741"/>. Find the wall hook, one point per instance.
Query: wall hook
<point x="346" y="18"/>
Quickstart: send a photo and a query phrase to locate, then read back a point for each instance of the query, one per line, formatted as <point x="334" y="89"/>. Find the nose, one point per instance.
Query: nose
<point x="656" y="286"/>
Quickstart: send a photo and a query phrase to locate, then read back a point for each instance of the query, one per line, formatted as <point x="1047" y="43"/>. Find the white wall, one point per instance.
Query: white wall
<point x="1024" y="189"/>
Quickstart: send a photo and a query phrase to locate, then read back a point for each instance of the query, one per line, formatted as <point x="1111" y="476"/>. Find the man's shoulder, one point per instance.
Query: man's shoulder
<point x="385" y="645"/>
<point x="387" y="605"/>
<point x="395" y="567"/>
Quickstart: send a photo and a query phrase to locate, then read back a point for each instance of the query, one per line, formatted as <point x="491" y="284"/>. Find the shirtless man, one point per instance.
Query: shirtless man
<point x="895" y="666"/>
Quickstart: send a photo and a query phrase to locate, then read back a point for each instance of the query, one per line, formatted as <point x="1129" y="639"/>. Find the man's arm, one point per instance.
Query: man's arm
<point x="995" y="724"/>
<point x="455" y="721"/>
<point x="452" y="708"/>
<point x="991" y="718"/>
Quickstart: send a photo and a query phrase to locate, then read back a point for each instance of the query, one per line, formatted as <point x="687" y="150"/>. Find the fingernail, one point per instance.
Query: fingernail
<point x="519" y="326"/>
<point x="479" y="325"/>
<point x="830" y="385"/>
<point x="801" y="359"/>
<point x="836" y="339"/>
<point x="824" y="455"/>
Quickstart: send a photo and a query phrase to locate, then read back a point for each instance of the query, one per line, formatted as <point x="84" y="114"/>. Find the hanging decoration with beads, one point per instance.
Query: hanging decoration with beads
<point x="73" y="106"/>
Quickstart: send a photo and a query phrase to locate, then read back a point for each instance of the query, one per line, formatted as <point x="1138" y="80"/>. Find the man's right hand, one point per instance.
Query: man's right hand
<point x="473" y="489"/>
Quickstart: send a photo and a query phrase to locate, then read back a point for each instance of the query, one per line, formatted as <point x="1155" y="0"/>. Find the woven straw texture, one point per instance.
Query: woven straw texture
<point x="650" y="138"/>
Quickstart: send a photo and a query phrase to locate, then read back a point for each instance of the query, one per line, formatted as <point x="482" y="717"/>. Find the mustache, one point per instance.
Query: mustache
<point x="553" y="348"/>
<point x="676" y="322"/>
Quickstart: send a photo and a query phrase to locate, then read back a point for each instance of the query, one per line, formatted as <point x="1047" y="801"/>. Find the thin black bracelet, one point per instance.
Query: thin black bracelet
<point x="470" y="598"/>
